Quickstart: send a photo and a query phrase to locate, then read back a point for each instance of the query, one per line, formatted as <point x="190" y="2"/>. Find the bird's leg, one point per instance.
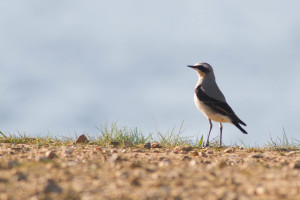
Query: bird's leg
<point x="210" y="127"/>
<point x="221" y="128"/>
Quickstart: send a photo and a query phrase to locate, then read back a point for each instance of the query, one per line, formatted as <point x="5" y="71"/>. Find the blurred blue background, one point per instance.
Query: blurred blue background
<point x="69" y="66"/>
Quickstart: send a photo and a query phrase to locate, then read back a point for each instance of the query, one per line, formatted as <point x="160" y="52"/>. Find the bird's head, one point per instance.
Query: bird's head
<point x="202" y="69"/>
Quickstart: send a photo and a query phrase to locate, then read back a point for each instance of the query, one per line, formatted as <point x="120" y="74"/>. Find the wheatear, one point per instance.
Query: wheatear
<point x="210" y="100"/>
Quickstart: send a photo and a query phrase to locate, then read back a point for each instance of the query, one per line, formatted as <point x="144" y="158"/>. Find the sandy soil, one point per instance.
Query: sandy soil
<point x="93" y="172"/>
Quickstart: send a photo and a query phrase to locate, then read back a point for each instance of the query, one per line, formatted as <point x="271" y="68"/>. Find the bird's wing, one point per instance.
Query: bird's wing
<point x="216" y="105"/>
<point x="211" y="89"/>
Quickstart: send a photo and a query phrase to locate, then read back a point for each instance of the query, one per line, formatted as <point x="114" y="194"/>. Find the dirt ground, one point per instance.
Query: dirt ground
<point x="92" y="172"/>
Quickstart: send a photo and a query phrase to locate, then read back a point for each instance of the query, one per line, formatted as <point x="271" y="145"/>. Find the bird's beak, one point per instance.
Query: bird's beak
<point x="191" y="66"/>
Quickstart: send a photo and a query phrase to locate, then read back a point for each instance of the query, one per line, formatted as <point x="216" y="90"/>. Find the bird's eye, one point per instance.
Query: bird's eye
<point x="203" y="69"/>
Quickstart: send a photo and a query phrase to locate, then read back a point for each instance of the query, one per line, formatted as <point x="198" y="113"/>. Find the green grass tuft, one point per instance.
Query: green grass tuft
<point x="174" y="138"/>
<point x="113" y="133"/>
<point x="22" y="138"/>
<point x="283" y="143"/>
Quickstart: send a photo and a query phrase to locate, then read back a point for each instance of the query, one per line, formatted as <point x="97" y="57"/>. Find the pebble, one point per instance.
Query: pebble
<point x="114" y="143"/>
<point x="202" y="154"/>
<point x="68" y="151"/>
<point x="209" y="152"/>
<point x="51" y="155"/>
<point x="122" y="174"/>
<point x="52" y="187"/>
<point x="230" y="150"/>
<point x="147" y="145"/>
<point x="155" y="151"/>
<point x="113" y="151"/>
<point x="155" y="145"/>
<point x="164" y="163"/>
<point x="135" y="181"/>
<point x="295" y="165"/>
<point x="194" y="153"/>
<point x="222" y="164"/>
<point x="13" y="163"/>
<point x="292" y="153"/>
<point x="115" y="158"/>
<point x="260" y="190"/>
<point x="127" y="143"/>
<point x="44" y="159"/>
<point x="19" y="176"/>
<point x="139" y="150"/>
<point x="183" y="148"/>
<point x="82" y="139"/>
<point x="193" y="163"/>
<point x="186" y="158"/>
<point x="135" y="164"/>
<point x="256" y="156"/>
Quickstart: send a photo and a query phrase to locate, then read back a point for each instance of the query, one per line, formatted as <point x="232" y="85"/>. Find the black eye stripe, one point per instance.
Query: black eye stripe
<point x="203" y="69"/>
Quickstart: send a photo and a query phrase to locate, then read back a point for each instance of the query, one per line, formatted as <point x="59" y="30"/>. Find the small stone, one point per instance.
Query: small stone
<point x="256" y="156"/>
<point x="51" y="155"/>
<point x="44" y="159"/>
<point x="206" y="161"/>
<point x="250" y="190"/>
<point x="210" y="152"/>
<point x="230" y="150"/>
<point x="127" y="143"/>
<point x="122" y="174"/>
<point x="177" y="197"/>
<point x="193" y="163"/>
<point x="202" y="154"/>
<point x="155" y="145"/>
<point x="138" y="150"/>
<point x="292" y="153"/>
<point x="260" y="190"/>
<point x="19" y="176"/>
<point x="113" y="151"/>
<point x="194" y="153"/>
<point x="82" y="139"/>
<point x="68" y="151"/>
<point x="186" y="158"/>
<point x="175" y="151"/>
<point x="241" y="147"/>
<point x="98" y="149"/>
<point x="178" y="148"/>
<point x="13" y="163"/>
<point x="114" y="143"/>
<point x="135" y="164"/>
<point x="222" y="164"/>
<point x="295" y="165"/>
<point x="184" y="148"/>
<point x="164" y="163"/>
<point x="52" y="187"/>
<point x="115" y="158"/>
<point x="135" y="182"/>
<point x="147" y="145"/>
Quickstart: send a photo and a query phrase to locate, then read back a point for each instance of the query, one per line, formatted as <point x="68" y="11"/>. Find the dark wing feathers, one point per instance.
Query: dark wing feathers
<point x="220" y="107"/>
<point x="239" y="127"/>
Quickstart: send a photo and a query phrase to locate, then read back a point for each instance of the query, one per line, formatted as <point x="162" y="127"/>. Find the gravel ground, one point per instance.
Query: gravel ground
<point x="93" y="172"/>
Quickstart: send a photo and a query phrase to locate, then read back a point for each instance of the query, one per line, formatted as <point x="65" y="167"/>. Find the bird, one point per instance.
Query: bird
<point x="211" y="102"/>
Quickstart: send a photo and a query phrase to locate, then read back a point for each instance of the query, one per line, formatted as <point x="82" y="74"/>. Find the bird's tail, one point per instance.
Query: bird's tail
<point x="239" y="126"/>
<point x="241" y="122"/>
